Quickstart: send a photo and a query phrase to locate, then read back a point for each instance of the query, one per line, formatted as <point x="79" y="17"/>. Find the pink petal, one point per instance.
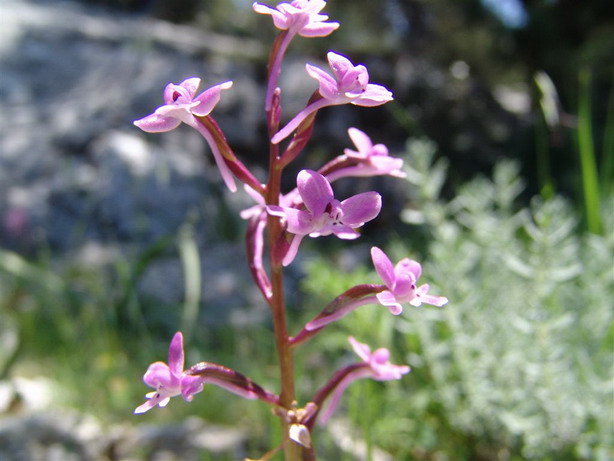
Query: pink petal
<point x="292" y="250"/>
<point x="191" y="85"/>
<point x="362" y="350"/>
<point x="176" y="94"/>
<point x="148" y="405"/>
<point x="361" y="208"/>
<point x="374" y="95"/>
<point x="339" y="64"/>
<point x="279" y="19"/>
<point x="380" y="356"/>
<point x="312" y="6"/>
<point x="389" y="372"/>
<point x="328" y="85"/>
<point x="298" y="222"/>
<point x="404" y="287"/>
<point x="383" y="266"/>
<point x="275" y="210"/>
<point x="155" y="123"/>
<point x="182" y="112"/>
<point x="259" y="199"/>
<point x="423" y="297"/>
<point x="354" y="81"/>
<point x="382" y="164"/>
<point x="408" y="266"/>
<point x="387" y="299"/>
<point x="318" y="29"/>
<point x="379" y="150"/>
<point x="191" y="385"/>
<point x="175" y="354"/>
<point x="361" y="141"/>
<point x="344" y="232"/>
<point x="315" y="191"/>
<point x="158" y="373"/>
<point x="209" y="98"/>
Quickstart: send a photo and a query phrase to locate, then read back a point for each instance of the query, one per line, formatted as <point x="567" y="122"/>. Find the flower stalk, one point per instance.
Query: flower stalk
<point x="278" y="222"/>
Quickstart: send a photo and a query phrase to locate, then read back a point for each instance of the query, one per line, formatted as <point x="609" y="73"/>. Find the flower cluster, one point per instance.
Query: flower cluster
<point x="278" y="222"/>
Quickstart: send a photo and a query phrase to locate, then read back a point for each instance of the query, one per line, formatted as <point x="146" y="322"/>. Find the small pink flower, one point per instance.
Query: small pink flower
<point x="372" y="160"/>
<point x="181" y="105"/>
<point x="299" y="17"/>
<point x="375" y="365"/>
<point x="169" y="380"/>
<point x="323" y="214"/>
<point x="401" y="283"/>
<point x="379" y="362"/>
<point x="348" y="84"/>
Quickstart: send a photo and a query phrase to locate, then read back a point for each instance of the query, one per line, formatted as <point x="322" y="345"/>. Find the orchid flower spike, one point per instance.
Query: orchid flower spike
<point x="323" y="214"/>
<point x="299" y="17"/>
<point x="181" y="105"/>
<point x="169" y="380"/>
<point x="373" y="160"/>
<point x="375" y="365"/>
<point x="401" y="283"/>
<point x="349" y="84"/>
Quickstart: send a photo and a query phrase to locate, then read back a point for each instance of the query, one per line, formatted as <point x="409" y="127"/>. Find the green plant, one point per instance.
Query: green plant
<point x="518" y="365"/>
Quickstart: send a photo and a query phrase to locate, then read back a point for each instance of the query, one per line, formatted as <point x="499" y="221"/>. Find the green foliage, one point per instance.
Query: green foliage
<point x="519" y="363"/>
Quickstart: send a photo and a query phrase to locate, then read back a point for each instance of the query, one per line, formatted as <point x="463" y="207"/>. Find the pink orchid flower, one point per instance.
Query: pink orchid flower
<point x="401" y="283"/>
<point x="181" y="105"/>
<point x="349" y="84"/>
<point x="169" y="380"/>
<point x="375" y="365"/>
<point x="323" y="214"/>
<point x="300" y="17"/>
<point x="373" y="160"/>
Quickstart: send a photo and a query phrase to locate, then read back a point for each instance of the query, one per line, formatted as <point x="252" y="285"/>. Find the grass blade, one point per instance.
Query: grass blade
<point x="590" y="183"/>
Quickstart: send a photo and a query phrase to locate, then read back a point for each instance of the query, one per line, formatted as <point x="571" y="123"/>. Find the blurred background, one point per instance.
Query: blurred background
<point x="112" y="239"/>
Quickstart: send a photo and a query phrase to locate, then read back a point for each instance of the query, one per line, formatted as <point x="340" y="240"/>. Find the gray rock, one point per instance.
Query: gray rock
<point x="71" y="163"/>
<point x="67" y="436"/>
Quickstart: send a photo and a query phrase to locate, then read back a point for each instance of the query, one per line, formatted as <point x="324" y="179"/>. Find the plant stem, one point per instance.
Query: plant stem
<point x="292" y="451"/>
<point x="546" y="188"/>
